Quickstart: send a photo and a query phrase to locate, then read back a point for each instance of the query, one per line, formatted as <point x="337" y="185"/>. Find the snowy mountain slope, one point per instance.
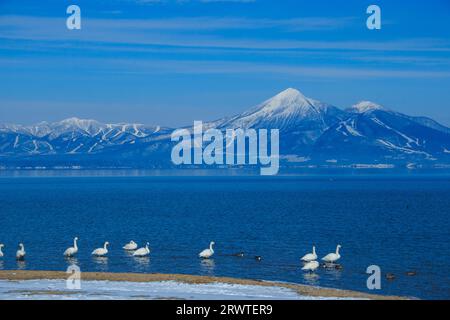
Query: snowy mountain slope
<point x="368" y="106"/>
<point x="430" y="123"/>
<point x="365" y="106"/>
<point x="301" y="120"/>
<point x="374" y="132"/>
<point x="70" y="136"/>
<point x="288" y="111"/>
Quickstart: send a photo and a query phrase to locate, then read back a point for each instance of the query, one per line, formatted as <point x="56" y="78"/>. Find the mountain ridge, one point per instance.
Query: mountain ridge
<point x="310" y="130"/>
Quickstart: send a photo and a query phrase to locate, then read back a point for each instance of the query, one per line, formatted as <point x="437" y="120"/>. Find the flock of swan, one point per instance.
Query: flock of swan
<point x="311" y="263"/>
<point x="103" y="251"/>
<point x="310" y="260"/>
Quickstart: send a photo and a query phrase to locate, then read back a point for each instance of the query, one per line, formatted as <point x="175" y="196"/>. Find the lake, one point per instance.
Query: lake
<point x="400" y="223"/>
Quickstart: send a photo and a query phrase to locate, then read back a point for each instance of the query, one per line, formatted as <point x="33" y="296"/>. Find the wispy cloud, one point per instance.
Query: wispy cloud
<point x="212" y="1"/>
<point x="200" y="33"/>
<point x="406" y="60"/>
<point x="167" y="66"/>
<point x="187" y="1"/>
<point x="182" y="24"/>
<point x="185" y="40"/>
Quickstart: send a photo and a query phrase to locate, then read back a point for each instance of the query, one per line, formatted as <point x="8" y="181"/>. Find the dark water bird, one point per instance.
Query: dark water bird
<point x="338" y="267"/>
<point x="329" y="265"/>
<point x="411" y="273"/>
<point x="390" y="276"/>
<point x="258" y="258"/>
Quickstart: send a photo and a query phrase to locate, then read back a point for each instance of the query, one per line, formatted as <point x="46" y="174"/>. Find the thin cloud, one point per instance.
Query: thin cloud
<point x="181" y="24"/>
<point x="187" y="1"/>
<point x="184" y="32"/>
<point x="212" y="1"/>
<point x="406" y="60"/>
<point x="161" y="66"/>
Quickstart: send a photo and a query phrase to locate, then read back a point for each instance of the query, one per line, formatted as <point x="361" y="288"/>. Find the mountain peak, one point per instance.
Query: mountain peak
<point x="77" y="121"/>
<point x="88" y="126"/>
<point x="365" y="106"/>
<point x="290" y="93"/>
<point x="289" y="110"/>
<point x="288" y="101"/>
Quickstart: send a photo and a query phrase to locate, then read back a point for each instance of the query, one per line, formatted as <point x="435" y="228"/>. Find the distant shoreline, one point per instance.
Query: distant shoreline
<point x="302" y="290"/>
<point x="188" y="173"/>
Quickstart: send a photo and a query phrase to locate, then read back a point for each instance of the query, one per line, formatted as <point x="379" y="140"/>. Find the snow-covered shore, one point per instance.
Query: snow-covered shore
<point x="17" y="285"/>
<point x="111" y="290"/>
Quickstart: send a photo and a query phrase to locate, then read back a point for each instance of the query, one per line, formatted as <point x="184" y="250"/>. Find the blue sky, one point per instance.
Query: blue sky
<point x="173" y="62"/>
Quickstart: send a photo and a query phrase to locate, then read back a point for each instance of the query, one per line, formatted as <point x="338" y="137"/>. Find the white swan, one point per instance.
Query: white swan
<point x="130" y="246"/>
<point x="20" y="254"/>
<point x="311" y="266"/>
<point x="1" y="247"/>
<point x="101" y="252"/>
<point x="70" y="252"/>
<point x="207" y="253"/>
<point x="310" y="256"/>
<point x="333" y="257"/>
<point x="142" y="252"/>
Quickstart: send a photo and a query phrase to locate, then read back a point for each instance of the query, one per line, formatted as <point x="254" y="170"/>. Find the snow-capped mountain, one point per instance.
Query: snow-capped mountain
<point x="302" y="120"/>
<point x="311" y="133"/>
<point x="289" y="110"/>
<point x="365" y="106"/>
<point x="372" y="132"/>
<point x="69" y="136"/>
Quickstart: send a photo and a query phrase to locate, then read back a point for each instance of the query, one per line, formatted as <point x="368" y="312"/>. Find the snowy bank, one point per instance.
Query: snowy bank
<point x="52" y="285"/>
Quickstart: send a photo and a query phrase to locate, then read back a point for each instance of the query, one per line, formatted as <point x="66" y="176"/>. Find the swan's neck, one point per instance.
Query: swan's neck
<point x="75" y="244"/>
<point x="211" y="247"/>
<point x="22" y="248"/>
<point x="314" y="250"/>
<point x="105" y="246"/>
<point x="337" y="250"/>
<point x="1" y="249"/>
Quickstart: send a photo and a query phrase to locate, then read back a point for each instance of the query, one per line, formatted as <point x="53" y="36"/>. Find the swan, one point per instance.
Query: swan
<point x="310" y="256"/>
<point x="20" y="254"/>
<point x="101" y="252"/>
<point x="142" y="252"/>
<point x="130" y="246"/>
<point x="1" y="247"/>
<point x="311" y="266"/>
<point x="333" y="257"/>
<point x="207" y="253"/>
<point x="70" y="252"/>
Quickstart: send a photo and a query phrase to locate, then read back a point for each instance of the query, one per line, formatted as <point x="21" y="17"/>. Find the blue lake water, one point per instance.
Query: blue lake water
<point x="399" y="223"/>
